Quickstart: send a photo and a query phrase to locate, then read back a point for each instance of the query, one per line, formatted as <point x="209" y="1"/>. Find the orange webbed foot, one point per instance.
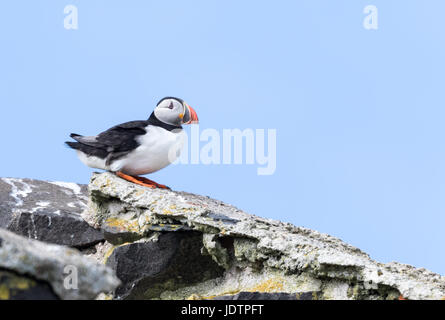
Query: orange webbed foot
<point x="141" y="181"/>
<point x="151" y="182"/>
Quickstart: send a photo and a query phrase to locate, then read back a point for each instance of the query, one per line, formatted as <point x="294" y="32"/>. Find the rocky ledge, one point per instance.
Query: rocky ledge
<point x="31" y="269"/>
<point x="47" y="211"/>
<point x="164" y="244"/>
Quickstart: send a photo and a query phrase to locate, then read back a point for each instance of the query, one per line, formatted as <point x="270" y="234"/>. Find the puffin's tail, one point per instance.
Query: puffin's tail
<point x="74" y="145"/>
<point x="87" y="145"/>
<point x="75" y="135"/>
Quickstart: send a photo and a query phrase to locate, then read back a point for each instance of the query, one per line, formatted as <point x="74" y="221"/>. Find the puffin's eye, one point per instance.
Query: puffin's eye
<point x="170" y="106"/>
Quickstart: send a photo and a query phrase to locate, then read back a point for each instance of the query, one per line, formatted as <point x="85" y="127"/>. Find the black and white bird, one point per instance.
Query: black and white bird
<point x="138" y="147"/>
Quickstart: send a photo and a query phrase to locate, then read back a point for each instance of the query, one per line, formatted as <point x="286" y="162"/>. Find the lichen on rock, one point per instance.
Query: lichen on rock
<point x="233" y="253"/>
<point x="141" y="243"/>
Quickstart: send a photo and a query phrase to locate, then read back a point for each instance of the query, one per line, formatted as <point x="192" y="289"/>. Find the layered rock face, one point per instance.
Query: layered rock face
<point x="32" y="269"/>
<point x="163" y="244"/>
<point x="46" y="211"/>
<point x="36" y="261"/>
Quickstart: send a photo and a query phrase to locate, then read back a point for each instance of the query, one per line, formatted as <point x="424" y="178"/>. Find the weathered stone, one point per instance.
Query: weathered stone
<point x="118" y="231"/>
<point x="63" y="228"/>
<point x="46" y="211"/>
<point x="220" y="253"/>
<point x="167" y="261"/>
<point x="70" y="274"/>
<point x="256" y="254"/>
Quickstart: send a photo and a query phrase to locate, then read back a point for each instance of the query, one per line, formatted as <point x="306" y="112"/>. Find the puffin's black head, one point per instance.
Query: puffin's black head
<point x="175" y="111"/>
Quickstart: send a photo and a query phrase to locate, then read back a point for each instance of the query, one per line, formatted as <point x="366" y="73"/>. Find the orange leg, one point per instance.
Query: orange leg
<point x="141" y="181"/>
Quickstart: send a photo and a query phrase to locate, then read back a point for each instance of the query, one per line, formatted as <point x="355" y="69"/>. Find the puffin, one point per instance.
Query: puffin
<point x="138" y="147"/>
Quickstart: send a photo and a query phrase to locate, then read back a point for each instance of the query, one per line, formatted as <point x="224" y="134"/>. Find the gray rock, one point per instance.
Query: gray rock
<point x="270" y="296"/>
<point x="116" y="233"/>
<point x="46" y="211"/>
<point x="170" y="260"/>
<point x="70" y="274"/>
<point x="256" y="254"/>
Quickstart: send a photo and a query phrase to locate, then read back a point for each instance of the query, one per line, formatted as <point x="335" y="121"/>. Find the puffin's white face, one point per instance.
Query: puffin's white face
<point x="176" y="112"/>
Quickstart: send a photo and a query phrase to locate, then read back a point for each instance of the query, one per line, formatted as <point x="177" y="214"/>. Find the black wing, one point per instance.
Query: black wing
<point x="113" y="143"/>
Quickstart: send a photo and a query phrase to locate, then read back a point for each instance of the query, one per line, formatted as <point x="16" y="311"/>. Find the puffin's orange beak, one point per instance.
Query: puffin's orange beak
<point x="193" y="116"/>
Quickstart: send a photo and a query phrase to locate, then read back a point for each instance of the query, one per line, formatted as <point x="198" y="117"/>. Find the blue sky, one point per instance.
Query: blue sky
<point x="358" y="113"/>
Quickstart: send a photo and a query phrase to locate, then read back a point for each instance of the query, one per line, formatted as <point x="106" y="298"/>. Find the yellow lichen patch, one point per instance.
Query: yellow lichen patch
<point x="139" y="193"/>
<point x="12" y="284"/>
<point x="121" y="224"/>
<point x="110" y="251"/>
<point x="108" y="297"/>
<point x="21" y="283"/>
<point x="4" y="292"/>
<point x="108" y="254"/>
<point x="270" y="285"/>
<point x="166" y="211"/>
<point x="106" y="183"/>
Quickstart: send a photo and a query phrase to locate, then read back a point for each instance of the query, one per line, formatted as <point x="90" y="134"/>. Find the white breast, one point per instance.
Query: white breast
<point x="158" y="148"/>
